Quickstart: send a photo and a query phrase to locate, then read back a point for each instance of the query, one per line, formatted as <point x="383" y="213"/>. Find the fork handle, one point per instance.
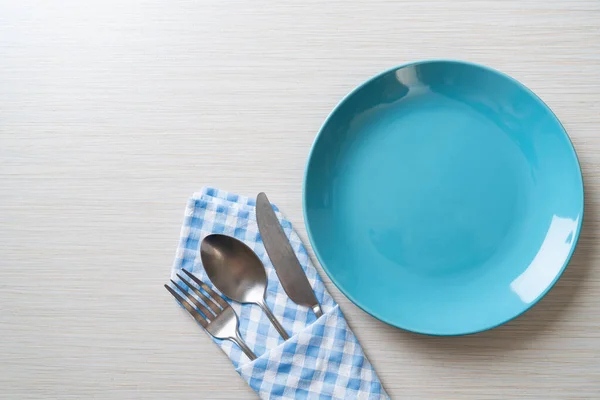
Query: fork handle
<point x="263" y="304"/>
<point x="240" y="342"/>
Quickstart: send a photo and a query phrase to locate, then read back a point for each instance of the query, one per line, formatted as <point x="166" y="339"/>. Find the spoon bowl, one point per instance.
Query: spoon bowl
<point x="234" y="268"/>
<point x="237" y="272"/>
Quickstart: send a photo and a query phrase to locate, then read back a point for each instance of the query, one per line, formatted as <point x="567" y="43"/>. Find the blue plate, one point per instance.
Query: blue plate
<point x="443" y="197"/>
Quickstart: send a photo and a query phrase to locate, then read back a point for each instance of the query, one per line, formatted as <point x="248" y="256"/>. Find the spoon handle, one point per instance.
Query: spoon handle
<point x="263" y="304"/>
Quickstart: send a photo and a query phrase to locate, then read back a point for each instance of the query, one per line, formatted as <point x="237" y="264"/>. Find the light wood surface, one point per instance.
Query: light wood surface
<point x="113" y="112"/>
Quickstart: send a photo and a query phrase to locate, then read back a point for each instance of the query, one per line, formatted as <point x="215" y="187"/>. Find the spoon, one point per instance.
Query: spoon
<point x="237" y="272"/>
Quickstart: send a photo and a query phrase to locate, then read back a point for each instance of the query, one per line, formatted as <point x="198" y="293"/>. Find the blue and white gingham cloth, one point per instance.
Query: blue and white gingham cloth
<point x="322" y="359"/>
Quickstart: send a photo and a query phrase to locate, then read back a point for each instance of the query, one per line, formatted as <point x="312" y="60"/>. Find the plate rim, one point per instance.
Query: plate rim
<point x="373" y="313"/>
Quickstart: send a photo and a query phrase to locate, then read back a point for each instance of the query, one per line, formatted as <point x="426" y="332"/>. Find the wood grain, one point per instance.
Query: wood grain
<point x="113" y="112"/>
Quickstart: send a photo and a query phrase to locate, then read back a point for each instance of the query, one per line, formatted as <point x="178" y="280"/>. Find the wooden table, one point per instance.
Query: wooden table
<point x="113" y="112"/>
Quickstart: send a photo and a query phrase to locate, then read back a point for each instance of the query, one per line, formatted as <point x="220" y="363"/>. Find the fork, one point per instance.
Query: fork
<point x="221" y="321"/>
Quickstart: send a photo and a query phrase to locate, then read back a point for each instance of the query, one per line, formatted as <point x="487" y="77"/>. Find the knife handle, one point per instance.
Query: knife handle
<point x="317" y="310"/>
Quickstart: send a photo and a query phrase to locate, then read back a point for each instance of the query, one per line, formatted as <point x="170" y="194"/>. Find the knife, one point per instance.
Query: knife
<point x="288" y="269"/>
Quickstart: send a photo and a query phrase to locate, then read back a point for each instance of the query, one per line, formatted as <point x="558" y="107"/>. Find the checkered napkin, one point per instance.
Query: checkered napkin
<point x="322" y="359"/>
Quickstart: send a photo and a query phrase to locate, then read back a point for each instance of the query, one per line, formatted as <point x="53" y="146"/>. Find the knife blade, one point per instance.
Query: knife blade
<point x="288" y="268"/>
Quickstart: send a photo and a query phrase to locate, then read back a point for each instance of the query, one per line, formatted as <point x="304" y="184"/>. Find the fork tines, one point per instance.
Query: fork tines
<point x="197" y="309"/>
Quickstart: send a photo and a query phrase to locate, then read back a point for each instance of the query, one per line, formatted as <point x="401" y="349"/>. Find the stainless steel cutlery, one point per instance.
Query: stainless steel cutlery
<point x="237" y="272"/>
<point x="288" y="268"/>
<point x="216" y="316"/>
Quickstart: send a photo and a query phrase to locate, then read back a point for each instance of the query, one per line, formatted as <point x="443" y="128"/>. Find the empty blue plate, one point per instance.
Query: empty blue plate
<point x="443" y="197"/>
